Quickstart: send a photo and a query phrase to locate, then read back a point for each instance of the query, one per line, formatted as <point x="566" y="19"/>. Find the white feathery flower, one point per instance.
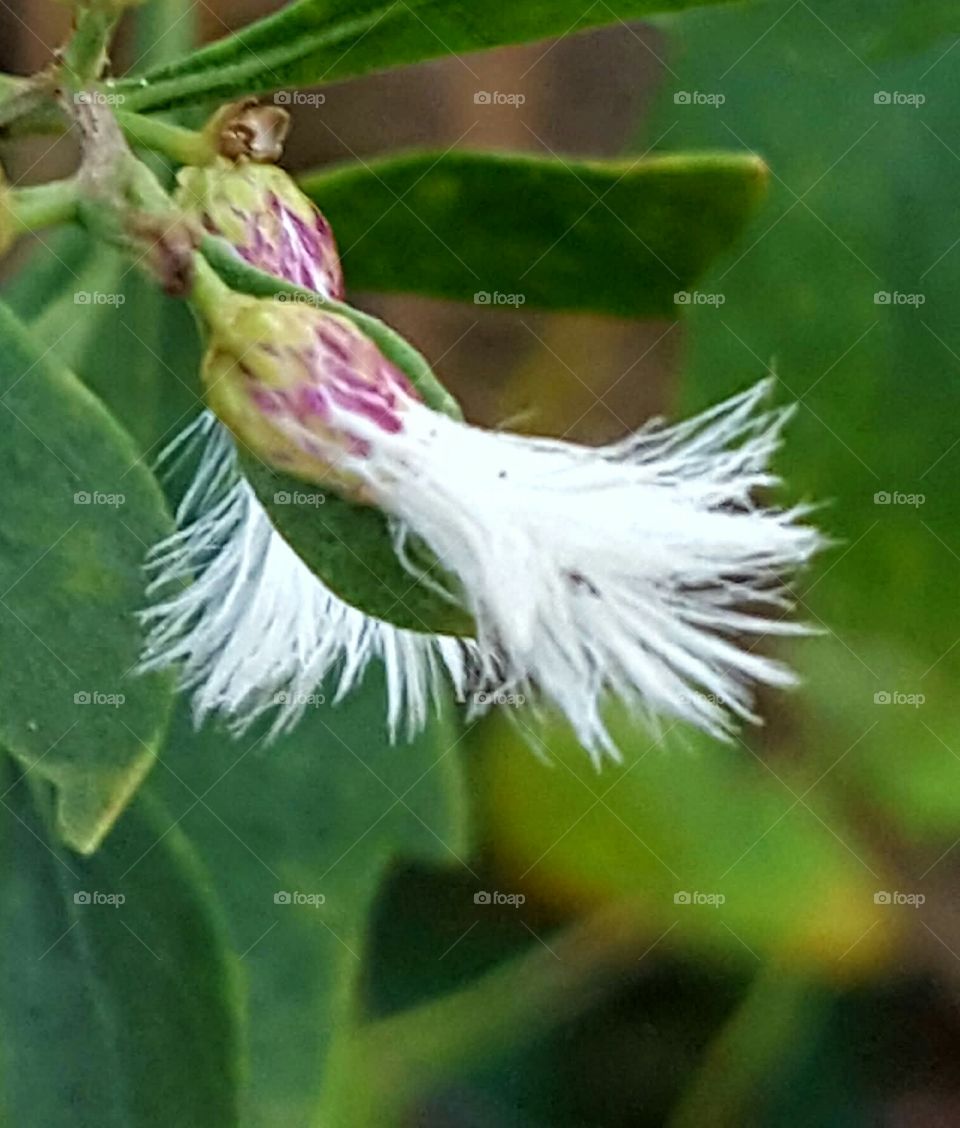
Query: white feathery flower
<point x="629" y="571"/>
<point x="622" y="571"/>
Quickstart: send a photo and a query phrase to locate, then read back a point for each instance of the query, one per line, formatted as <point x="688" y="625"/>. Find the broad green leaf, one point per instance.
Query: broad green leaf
<point x="313" y="41"/>
<point x="79" y="514"/>
<point x="136" y="348"/>
<point x="853" y="294"/>
<point x="298" y="837"/>
<point x="617" y="237"/>
<point x="51" y="269"/>
<point x="119" y="1004"/>
<point x="721" y="852"/>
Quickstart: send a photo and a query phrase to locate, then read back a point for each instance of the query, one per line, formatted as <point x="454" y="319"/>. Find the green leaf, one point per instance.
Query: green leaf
<point x="52" y="269"/>
<point x="325" y="812"/>
<point x="132" y="345"/>
<point x="315" y="41"/>
<point x="114" y="1015"/>
<point x="73" y="534"/>
<point x="618" y="237"/>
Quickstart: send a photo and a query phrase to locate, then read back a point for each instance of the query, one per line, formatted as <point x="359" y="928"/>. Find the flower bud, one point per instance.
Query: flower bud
<point x="303" y="389"/>
<point x="268" y="220"/>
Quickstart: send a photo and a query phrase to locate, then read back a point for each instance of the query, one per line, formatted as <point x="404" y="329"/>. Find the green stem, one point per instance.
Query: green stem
<point x="210" y="294"/>
<point x="771" y="1024"/>
<point x="376" y="1072"/>
<point x="182" y="146"/>
<point x="31" y="209"/>
<point x="165" y="30"/>
<point x="85" y="55"/>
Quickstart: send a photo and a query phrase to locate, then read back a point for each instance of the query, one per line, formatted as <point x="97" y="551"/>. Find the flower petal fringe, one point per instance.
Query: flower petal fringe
<point x="615" y="571"/>
<point x="623" y="571"/>
<point x="256" y="629"/>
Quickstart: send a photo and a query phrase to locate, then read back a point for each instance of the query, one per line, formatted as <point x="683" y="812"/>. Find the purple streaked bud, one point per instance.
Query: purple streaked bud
<point x="268" y="220"/>
<point x="303" y="389"/>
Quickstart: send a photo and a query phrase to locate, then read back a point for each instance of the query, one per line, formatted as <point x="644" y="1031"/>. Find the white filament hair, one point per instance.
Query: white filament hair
<point x="255" y="629"/>
<point x="623" y="571"/>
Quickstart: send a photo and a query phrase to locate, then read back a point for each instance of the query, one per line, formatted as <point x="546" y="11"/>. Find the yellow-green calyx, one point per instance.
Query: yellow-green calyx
<point x="303" y="389"/>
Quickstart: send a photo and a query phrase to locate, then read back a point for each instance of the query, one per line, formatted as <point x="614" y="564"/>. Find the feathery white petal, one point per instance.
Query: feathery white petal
<point x="256" y="628"/>
<point x="622" y="569"/>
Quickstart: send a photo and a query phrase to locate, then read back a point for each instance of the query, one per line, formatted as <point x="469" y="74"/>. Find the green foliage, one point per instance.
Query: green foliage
<point x="669" y="826"/>
<point x="74" y="532"/>
<point x="326" y="811"/>
<point x="118" y="997"/>
<point x="876" y="381"/>
<point x="313" y="41"/>
<point x="618" y="237"/>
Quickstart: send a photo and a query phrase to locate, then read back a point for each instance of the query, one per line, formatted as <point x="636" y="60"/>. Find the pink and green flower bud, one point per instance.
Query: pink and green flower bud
<point x="271" y="224"/>
<point x="303" y="389"/>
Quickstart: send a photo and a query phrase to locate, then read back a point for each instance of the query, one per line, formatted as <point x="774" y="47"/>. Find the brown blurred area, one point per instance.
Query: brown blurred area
<point x="592" y="378"/>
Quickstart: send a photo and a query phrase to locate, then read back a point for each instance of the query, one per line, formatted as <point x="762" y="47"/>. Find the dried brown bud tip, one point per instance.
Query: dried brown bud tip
<point x="248" y="131"/>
